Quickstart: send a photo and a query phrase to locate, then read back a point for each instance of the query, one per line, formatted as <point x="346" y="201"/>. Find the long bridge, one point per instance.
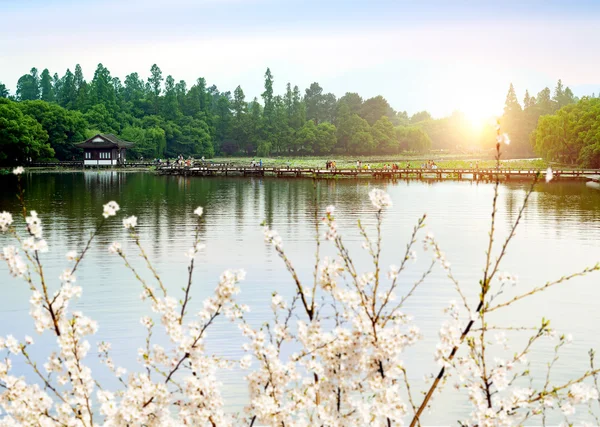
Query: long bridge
<point x="412" y="173"/>
<point x="213" y="169"/>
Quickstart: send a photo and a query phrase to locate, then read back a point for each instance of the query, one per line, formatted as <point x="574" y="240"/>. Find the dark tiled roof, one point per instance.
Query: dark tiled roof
<point x="109" y="141"/>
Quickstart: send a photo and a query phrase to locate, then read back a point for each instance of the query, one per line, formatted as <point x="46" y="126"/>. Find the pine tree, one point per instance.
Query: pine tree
<point x="267" y="97"/>
<point x="47" y="91"/>
<point x="511" y="105"/>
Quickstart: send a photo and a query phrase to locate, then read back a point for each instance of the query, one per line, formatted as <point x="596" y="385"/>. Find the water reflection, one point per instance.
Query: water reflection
<point x="559" y="234"/>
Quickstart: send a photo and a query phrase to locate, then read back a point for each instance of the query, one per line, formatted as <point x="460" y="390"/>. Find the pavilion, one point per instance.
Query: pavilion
<point x="104" y="149"/>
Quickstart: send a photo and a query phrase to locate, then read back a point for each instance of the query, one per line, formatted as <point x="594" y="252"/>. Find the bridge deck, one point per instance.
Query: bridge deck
<point x="376" y="173"/>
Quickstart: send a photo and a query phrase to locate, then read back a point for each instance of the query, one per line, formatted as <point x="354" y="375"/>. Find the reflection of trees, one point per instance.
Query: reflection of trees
<point x="559" y="201"/>
<point x="71" y="203"/>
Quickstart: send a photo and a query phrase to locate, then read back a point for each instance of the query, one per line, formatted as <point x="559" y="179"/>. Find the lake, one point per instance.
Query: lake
<point x="560" y="234"/>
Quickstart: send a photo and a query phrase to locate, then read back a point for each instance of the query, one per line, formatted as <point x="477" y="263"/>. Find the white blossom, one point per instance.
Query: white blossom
<point x="110" y="209"/>
<point x="34" y="224"/>
<point x="272" y="237"/>
<point x="71" y="256"/>
<point x="67" y="277"/>
<point x="503" y="138"/>
<point x="6" y="220"/>
<point x="18" y="170"/>
<point x="114" y="248"/>
<point x="16" y="265"/>
<point x="380" y="199"/>
<point x="130" y="222"/>
<point x="199" y="211"/>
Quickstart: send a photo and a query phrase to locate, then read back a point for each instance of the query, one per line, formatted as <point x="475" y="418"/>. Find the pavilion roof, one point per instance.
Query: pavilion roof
<point x="104" y="140"/>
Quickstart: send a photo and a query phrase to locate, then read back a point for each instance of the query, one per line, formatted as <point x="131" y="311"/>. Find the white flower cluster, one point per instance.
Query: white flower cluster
<point x="6" y="220"/>
<point x="430" y="243"/>
<point x="110" y="209"/>
<point x="272" y="237"/>
<point x="332" y="356"/>
<point x="503" y="138"/>
<point x="330" y="223"/>
<point x="380" y="199"/>
<point x="34" y="224"/>
<point x="16" y="266"/>
<point x="130" y="222"/>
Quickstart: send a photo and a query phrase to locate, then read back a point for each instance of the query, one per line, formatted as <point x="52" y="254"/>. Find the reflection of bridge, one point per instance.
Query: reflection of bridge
<point x="471" y="174"/>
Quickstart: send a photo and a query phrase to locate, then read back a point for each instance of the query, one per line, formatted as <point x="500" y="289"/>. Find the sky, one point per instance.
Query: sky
<point x="433" y="55"/>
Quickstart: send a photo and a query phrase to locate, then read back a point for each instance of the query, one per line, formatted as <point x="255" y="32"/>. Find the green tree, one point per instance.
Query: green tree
<point x="384" y="136"/>
<point x="254" y="127"/>
<point x="412" y="138"/>
<point x="544" y="103"/>
<point x="102" y="89"/>
<point x="362" y="143"/>
<point x="3" y="91"/>
<point x="375" y="108"/>
<point x="155" y="82"/>
<point x="350" y="125"/>
<point x="306" y="138"/>
<point x="28" y="86"/>
<point x="81" y="89"/>
<point x="313" y="99"/>
<point x="571" y="135"/>
<point x="67" y="95"/>
<point x="511" y="105"/>
<point x="47" y="91"/>
<point x="351" y="100"/>
<point x="267" y="97"/>
<point x="99" y="117"/>
<point x="64" y="127"/>
<point x="325" y="138"/>
<point x="22" y="138"/>
<point x="170" y="105"/>
<point x="239" y="123"/>
<point x="421" y="116"/>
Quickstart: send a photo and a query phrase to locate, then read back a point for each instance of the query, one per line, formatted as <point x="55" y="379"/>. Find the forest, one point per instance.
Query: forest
<point x="165" y="118"/>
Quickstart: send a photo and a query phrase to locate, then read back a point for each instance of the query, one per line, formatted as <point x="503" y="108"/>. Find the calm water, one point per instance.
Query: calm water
<point x="560" y="234"/>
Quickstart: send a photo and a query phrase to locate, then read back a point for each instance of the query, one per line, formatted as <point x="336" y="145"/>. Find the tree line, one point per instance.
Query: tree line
<point x="48" y="113"/>
<point x="165" y="118"/>
<point x="520" y="121"/>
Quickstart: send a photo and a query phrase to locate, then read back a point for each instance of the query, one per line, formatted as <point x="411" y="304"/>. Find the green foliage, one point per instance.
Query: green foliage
<point x="22" y="138"/>
<point x="572" y="135"/>
<point x="349" y="126"/>
<point x="64" y="127"/>
<point x="519" y="122"/>
<point x="28" y="86"/>
<point x="375" y="108"/>
<point x="412" y="138"/>
<point x="165" y="117"/>
<point x="264" y="149"/>
<point x="325" y="138"/>
<point x="3" y="91"/>
<point x="384" y="136"/>
<point x="421" y="116"/>
<point x="47" y="91"/>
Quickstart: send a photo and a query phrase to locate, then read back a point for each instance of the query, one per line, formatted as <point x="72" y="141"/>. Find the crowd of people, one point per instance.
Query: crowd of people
<point x="180" y="161"/>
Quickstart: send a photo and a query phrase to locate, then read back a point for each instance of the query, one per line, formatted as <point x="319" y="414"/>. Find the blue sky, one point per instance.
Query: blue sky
<point x="435" y="55"/>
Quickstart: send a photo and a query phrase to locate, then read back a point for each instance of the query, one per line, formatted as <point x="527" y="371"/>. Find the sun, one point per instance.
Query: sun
<point x="478" y="93"/>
